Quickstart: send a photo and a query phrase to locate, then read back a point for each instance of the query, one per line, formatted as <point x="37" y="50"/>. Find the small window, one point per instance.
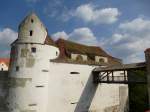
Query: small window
<point x="17" y="68"/>
<point x="33" y="49"/>
<point x="45" y="71"/>
<point x="31" y="32"/>
<point x="74" y="73"/>
<point x="2" y="64"/>
<point x="32" y="20"/>
<point x="73" y="102"/>
<point x="32" y="104"/>
<point x="56" y="53"/>
<point x="40" y="86"/>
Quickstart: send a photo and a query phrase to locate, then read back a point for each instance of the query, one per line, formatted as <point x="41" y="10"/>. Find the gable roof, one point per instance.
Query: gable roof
<point x="49" y="41"/>
<point x="80" y="48"/>
<point x="67" y="47"/>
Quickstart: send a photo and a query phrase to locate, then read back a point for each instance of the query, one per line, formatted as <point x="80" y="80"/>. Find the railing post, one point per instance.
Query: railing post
<point x="147" y="58"/>
<point x="124" y="72"/>
<point x="107" y="76"/>
<point x="113" y="76"/>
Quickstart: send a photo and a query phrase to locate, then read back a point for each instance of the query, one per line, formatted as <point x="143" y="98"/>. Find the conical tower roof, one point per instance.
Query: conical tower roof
<point x="32" y="30"/>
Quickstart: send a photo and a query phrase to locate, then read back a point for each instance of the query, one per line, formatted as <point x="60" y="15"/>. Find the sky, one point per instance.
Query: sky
<point x="120" y="27"/>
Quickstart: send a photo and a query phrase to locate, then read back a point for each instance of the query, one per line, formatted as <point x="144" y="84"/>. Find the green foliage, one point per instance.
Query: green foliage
<point x="138" y="95"/>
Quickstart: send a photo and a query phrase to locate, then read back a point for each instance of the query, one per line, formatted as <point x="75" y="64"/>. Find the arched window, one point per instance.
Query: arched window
<point x="101" y="60"/>
<point x="79" y="58"/>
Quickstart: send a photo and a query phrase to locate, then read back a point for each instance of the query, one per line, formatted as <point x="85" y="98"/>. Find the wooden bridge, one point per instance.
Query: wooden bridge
<point x="127" y="76"/>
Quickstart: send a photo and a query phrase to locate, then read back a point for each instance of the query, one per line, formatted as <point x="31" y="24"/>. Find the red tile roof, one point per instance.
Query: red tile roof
<point x="147" y="50"/>
<point x="5" y="60"/>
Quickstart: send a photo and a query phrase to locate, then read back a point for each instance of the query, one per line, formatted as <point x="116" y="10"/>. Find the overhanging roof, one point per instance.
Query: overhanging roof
<point x="122" y="67"/>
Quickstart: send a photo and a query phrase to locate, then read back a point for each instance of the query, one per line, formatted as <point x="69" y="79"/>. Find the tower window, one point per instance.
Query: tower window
<point x="32" y="104"/>
<point x="33" y="49"/>
<point x="31" y="32"/>
<point x="17" y="68"/>
<point x="32" y="20"/>
<point x="74" y="73"/>
<point x="56" y="53"/>
<point x="39" y="86"/>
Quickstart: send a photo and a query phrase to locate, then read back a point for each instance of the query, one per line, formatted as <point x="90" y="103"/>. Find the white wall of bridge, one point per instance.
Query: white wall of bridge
<point x="77" y="93"/>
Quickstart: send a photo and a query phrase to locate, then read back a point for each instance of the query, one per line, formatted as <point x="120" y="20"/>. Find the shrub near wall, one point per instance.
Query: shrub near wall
<point x="138" y="96"/>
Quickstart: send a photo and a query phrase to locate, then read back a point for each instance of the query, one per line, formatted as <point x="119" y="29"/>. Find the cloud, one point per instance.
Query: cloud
<point x="60" y="35"/>
<point x="130" y="40"/>
<point x="86" y="12"/>
<point x="136" y="25"/>
<point x="81" y="35"/>
<point x="58" y="10"/>
<point x="89" y="13"/>
<point x="7" y="36"/>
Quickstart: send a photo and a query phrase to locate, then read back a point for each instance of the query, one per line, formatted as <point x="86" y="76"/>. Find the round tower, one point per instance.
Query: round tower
<point x="30" y="67"/>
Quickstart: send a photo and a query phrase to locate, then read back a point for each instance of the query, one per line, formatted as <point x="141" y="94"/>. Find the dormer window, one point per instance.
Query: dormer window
<point x="79" y="58"/>
<point x="101" y="60"/>
<point x="31" y="32"/>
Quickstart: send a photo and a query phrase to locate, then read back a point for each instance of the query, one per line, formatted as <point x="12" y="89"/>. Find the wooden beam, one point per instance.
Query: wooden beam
<point x="107" y="76"/>
<point x="112" y="76"/>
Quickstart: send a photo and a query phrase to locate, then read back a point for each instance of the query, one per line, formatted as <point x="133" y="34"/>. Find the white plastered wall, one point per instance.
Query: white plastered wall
<point x="77" y="93"/>
<point x="29" y="90"/>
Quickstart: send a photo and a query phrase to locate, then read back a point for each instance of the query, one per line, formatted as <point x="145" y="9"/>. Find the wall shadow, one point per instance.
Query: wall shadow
<point x="87" y="96"/>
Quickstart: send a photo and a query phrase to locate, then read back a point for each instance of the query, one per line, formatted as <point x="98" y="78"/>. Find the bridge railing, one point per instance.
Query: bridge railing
<point x="113" y="78"/>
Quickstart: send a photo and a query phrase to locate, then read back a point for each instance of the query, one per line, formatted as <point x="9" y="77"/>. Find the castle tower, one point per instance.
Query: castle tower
<point x="29" y="67"/>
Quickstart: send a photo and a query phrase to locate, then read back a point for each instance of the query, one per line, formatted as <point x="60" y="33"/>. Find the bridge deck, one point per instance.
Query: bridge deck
<point x="122" y="67"/>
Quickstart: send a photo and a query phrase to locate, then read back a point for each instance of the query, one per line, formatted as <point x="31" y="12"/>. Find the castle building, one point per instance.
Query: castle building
<point x="48" y="76"/>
